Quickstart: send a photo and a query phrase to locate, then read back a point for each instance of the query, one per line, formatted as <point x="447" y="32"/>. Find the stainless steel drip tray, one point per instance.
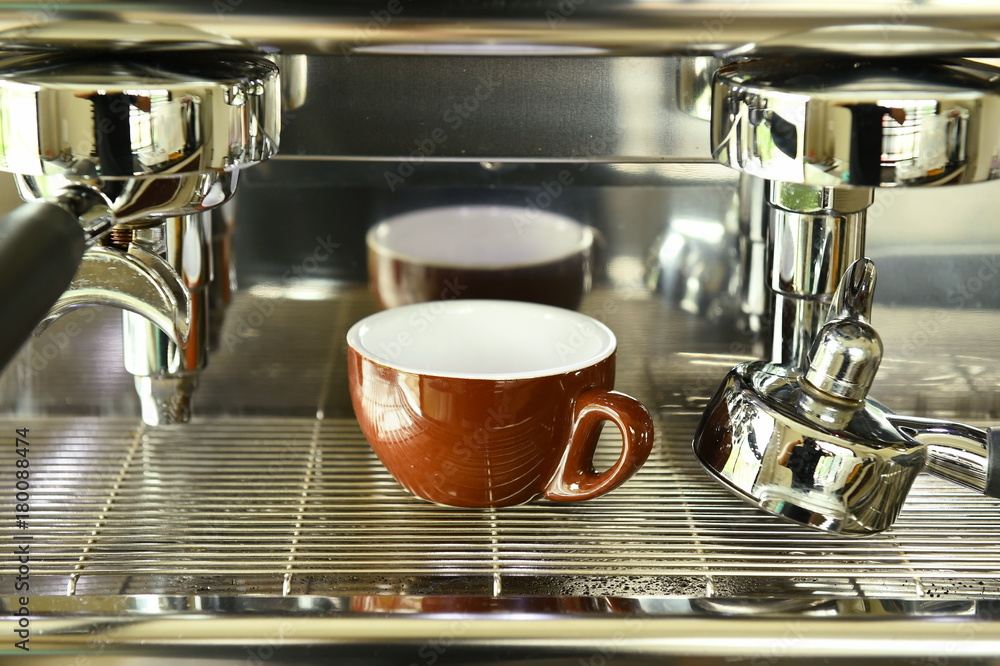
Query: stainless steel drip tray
<point x="303" y="506"/>
<point x="271" y="525"/>
<point x="521" y="630"/>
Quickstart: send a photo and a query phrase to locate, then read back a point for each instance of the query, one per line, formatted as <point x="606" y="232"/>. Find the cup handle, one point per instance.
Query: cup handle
<point x="575" y="478"/>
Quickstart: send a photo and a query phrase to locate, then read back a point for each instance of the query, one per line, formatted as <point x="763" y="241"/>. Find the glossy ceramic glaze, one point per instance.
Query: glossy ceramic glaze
<point x="480" y="252"/>
<point x="515" y="413"/>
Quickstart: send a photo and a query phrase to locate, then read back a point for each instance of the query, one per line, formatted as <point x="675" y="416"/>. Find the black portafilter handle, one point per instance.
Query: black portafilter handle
<point x="41" y="246"/>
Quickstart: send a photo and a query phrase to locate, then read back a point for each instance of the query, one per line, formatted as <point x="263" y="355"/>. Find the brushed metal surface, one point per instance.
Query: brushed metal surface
<point x="572" y="27"/>
<point x="516" y="630"/>
<point x="475" y="108"/>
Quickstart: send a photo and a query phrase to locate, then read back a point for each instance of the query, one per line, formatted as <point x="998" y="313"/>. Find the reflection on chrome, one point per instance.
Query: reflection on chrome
<point x="157" y="121"/>
<point x="759" y="439"/>
<point x="810" y="447"/>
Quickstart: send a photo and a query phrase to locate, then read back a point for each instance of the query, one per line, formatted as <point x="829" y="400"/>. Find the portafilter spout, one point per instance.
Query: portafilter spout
<point x="811" y="447"/>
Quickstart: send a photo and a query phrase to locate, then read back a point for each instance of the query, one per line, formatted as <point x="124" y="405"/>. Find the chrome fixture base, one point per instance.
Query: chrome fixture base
<point x="774" y="442"/>
<point x="166" y="368"/>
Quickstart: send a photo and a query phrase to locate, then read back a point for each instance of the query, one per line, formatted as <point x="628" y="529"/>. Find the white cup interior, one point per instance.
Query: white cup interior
<point x="482" y="339"/>
<point x="479" y="236"/>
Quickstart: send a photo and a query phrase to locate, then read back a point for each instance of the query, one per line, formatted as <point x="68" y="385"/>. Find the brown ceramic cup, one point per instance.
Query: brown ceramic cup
<point x="480" y="252"/>
<point x="484" y="403"/>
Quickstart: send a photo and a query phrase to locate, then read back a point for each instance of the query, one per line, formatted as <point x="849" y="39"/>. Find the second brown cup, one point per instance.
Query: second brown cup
<point x="480" y="252"/>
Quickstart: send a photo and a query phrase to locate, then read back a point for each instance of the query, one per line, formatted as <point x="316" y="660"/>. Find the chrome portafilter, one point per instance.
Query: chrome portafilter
<point x="123" y="136"/>
<point x="811" y="447"/>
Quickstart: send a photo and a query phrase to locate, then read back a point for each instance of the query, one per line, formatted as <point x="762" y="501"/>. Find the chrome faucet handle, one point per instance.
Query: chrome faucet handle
<point x="844" y="362"/>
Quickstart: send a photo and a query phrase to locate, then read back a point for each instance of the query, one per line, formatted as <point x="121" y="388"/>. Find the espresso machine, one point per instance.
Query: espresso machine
<point x="197" y="484"/>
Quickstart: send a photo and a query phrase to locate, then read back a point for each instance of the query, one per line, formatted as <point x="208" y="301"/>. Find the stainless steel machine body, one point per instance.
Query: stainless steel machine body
<point x="824" y="133"/>
<point x="266" y="530"/>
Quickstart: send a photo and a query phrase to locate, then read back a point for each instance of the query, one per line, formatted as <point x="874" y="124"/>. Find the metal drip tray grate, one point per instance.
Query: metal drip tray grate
<point x="264" y="506"/>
